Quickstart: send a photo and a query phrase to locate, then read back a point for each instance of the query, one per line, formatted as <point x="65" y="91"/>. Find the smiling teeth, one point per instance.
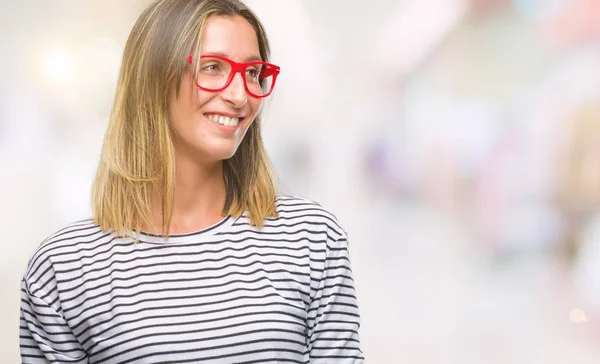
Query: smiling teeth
<point x="223" y="120"/>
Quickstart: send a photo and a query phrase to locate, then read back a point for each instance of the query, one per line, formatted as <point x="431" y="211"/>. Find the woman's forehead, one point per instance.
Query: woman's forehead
<point x="230" y="36"/>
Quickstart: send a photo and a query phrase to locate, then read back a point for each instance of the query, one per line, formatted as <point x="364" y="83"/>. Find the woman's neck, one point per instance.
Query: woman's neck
<point x="199" y="197"/>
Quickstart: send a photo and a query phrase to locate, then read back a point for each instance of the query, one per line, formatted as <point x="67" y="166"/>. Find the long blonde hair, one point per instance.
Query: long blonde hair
<point x="138" y="159"/>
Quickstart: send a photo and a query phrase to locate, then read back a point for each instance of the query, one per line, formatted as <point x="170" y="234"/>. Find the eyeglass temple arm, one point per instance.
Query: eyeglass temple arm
<point x="267" y="72"/>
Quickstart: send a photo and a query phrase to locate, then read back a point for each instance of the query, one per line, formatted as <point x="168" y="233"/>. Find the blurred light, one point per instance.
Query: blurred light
<point x="576" y="24"/>
<point x="538" y="9"/>
<point x="58" y="66"/>
<point x="415" y="31"/>
<point x="102" y="59"/>
<point x="577" y="316"/>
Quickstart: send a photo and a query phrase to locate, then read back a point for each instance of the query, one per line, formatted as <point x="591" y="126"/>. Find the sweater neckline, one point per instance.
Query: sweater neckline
<point x="193" y="236"/>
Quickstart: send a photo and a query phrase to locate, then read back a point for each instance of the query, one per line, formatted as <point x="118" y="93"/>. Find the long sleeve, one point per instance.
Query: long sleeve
<point x="333" y="316"/>
<point x="44" y="335"/>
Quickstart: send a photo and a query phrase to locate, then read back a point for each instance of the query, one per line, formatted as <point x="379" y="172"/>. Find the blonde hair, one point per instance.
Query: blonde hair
<point x="137" y="161"/>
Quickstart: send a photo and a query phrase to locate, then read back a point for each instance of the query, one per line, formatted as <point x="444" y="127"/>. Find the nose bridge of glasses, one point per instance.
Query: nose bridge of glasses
<point x="237" y="67"/>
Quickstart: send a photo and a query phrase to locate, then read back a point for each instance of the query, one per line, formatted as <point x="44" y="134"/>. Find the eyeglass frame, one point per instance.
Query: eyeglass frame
<point x="241" y="68"/>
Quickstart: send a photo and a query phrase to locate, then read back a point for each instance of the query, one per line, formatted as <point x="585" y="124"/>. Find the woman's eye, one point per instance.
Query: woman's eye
<point x="253" y="72"/>
<point x="210" y="68"/>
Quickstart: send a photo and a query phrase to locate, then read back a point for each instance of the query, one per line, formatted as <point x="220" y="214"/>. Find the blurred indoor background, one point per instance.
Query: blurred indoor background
<point x="458" y="141"/>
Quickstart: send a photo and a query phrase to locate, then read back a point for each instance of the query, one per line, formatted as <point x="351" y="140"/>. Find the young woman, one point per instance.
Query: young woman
<point x="191" y="255"/>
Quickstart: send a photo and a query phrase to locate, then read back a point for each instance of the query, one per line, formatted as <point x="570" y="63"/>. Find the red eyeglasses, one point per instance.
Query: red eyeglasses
<point x="215" y="73"/>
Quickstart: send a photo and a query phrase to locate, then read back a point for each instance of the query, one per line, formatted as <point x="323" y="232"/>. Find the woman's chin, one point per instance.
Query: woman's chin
<point x="218" y="155"/>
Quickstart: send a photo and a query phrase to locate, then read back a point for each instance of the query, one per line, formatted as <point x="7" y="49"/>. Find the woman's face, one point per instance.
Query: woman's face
<point x="197" y="135"/>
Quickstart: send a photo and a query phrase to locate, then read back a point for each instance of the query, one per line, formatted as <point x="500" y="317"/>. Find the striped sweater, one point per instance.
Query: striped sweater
<point x="230" y="293"/>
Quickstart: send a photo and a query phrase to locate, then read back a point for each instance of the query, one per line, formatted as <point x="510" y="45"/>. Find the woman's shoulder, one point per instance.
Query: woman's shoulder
<point x="302" y="210"/>
<point x="72" y="232"/>
<point x="66" y="240"/>
<point x="289" y="204"/>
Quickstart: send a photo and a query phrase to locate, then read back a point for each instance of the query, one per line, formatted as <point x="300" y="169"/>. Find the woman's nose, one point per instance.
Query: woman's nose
<point x="235" y="93"/>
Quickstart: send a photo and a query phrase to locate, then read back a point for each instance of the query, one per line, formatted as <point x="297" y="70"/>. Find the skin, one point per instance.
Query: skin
<point x="201" y="145"/>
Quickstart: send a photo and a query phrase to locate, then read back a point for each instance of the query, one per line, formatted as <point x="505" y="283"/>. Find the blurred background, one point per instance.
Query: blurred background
<point x="457" y="141"/>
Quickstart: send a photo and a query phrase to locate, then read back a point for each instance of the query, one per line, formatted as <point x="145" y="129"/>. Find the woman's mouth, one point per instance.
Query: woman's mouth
<point x="224" y="120"/>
